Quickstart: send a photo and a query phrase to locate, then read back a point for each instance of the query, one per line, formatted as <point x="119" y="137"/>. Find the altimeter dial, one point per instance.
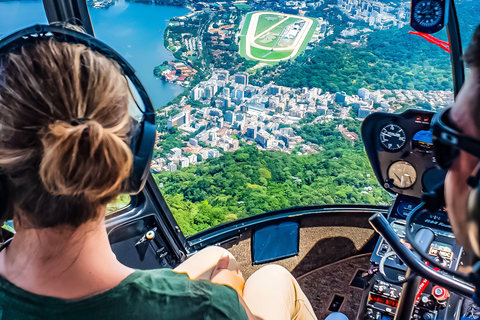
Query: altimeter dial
<point x="392" y="137"/>
<point x="403" y="174"/>
<point x="428" y="16"/>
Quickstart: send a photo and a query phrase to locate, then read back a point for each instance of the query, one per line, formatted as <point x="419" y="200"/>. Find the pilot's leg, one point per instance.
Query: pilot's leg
<point x="201" y="265"/>
<point x="272" y="293"/>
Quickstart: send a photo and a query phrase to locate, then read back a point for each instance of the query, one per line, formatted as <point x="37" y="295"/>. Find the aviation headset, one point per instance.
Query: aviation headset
<point x="142" y="130"/>
<point x="448" y="141"/>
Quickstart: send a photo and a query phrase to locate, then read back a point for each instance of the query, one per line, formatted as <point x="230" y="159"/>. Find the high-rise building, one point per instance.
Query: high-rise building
<point x="251" y="133"/>
<point x="227" y="102"/>
<point x="239" y="94"/>
<point x="364" y="112"/>
<point x="196" y="93"/>
<point x="230" y="117"/>
<point x="208" y="93"/>
<point x="172" y="167"/>
<point x="183" y="117"/>
<point x="375" y="97"/>
<point x="213" y="153"/>
<point x="226" y="92"/>
<point x="340" y="97"/>
<point x="286" y="131"/>
<point x="239" y="117"/>
<point x="274" y="90"/>
<point x="177" y="152"/>
<point x="241" y="78"/>
<point x="322" y="110"/>
<point x="192" y="158"/>
<point x="184" y="162"/>
<point x="363" y="93"/>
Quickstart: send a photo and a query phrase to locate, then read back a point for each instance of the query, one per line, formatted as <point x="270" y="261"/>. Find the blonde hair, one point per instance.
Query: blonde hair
<point x="63" y="131"/>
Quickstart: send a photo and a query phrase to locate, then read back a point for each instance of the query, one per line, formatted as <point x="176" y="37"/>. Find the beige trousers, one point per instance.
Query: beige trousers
<point x="271" y="293"/>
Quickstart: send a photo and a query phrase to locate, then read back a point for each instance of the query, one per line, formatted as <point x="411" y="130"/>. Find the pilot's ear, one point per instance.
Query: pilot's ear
<point x="473" y="237"/>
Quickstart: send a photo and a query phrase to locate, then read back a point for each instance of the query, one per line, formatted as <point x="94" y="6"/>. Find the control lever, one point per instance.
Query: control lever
<point x="381" y="225"/>
<point x="416" y="286"/>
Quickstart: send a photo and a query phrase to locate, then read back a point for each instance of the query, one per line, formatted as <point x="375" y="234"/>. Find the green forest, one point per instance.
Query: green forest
<point x="391" y="59"/>
<point x="249" y="181"/>
<point x="388" y="59"/>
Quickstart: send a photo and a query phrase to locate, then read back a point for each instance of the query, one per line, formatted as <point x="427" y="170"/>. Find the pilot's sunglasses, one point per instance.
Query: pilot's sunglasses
<point x="448" y="140"/>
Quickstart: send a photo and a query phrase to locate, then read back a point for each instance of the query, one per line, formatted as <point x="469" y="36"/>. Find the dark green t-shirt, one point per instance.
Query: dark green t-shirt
<point x="155" y="294"/>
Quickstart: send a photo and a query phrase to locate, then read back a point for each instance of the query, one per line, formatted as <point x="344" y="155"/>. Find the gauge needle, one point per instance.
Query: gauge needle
<point x="401" y="183"/>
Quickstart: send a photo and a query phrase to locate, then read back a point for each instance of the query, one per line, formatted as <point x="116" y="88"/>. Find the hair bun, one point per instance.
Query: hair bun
<point x="83" y="159"/>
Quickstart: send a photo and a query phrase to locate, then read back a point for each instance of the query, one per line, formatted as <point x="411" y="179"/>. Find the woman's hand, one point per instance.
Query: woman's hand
<point x="234" y="279"/>
<point x="222" y="275"/>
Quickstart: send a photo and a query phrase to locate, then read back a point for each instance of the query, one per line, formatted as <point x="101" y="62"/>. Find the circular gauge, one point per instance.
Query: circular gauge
<point x="403" y="174"/>
<point x="404" y="208"/>
<point x="427" y="13"/>
<point x="392" y="137"/>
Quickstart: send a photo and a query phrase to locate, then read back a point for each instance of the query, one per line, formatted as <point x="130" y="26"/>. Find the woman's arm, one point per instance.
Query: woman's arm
<point x="221" y="275"/>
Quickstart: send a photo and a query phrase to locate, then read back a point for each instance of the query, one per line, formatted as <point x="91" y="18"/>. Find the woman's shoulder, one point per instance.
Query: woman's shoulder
<point x="150" y="293"/>
<point x="195" y="296"/>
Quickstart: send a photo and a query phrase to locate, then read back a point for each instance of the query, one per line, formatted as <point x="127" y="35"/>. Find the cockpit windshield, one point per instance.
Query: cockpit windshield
<point x="259" y="104"/>
<point x="15" y="15"/>
<point x="275" y="122"/>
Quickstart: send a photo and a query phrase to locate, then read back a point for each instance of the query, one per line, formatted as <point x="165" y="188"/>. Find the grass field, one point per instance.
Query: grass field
<point x="268" y="54"/>
<point x="263" y="22"/>
<point x="243" y="6"/>
<point x="269" y="44"/>
<point x="278" y="29"/>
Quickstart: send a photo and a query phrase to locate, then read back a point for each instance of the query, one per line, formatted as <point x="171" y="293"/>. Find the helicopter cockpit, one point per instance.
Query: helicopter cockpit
<point x="381" y="250"/>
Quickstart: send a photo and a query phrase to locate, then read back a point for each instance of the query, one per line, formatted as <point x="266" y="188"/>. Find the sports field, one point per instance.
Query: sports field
<point x="274" y="36"/>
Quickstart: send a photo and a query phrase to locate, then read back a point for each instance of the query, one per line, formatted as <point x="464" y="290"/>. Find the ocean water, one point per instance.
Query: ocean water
<point x="134" y="30"/>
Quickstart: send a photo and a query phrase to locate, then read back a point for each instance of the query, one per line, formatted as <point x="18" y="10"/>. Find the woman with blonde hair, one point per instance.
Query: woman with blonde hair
<point x="64" y="123"/>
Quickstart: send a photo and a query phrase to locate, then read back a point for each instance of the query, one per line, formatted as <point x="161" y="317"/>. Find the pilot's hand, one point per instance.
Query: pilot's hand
<point x="233" y="279"/>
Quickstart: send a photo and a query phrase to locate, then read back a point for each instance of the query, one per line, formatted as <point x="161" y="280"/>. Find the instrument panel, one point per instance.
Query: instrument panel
<point x="400" y="150"/>
<point x="428" y="16"/>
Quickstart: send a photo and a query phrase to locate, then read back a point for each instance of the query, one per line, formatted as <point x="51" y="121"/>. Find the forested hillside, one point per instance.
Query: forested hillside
<point x="391" y="59"/>
<point x="250" y="181"/>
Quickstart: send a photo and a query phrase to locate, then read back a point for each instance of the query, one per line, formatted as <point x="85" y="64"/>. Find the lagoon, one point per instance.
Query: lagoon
<point x="134" y="30"/>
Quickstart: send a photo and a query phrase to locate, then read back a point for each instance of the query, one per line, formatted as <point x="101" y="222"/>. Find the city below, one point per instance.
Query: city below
<point x="268" y="116"/>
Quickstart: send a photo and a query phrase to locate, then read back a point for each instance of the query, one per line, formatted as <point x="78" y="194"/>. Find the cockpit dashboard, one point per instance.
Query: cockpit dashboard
<point x="400" y="150"/>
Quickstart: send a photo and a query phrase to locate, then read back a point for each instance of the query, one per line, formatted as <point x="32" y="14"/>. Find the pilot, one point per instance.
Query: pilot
<point x="63" y="127"/>
<point x="462" y="123"/>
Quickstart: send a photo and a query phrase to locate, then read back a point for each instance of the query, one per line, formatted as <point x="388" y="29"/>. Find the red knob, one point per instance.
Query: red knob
<point x="440" y="294"/>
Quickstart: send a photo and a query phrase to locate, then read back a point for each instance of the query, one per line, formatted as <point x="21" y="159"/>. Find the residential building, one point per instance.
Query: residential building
<point x="172" y="167"/>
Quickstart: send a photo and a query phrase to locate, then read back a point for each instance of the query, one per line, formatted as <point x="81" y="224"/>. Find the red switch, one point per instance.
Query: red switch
<point x="440" y="294"/>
